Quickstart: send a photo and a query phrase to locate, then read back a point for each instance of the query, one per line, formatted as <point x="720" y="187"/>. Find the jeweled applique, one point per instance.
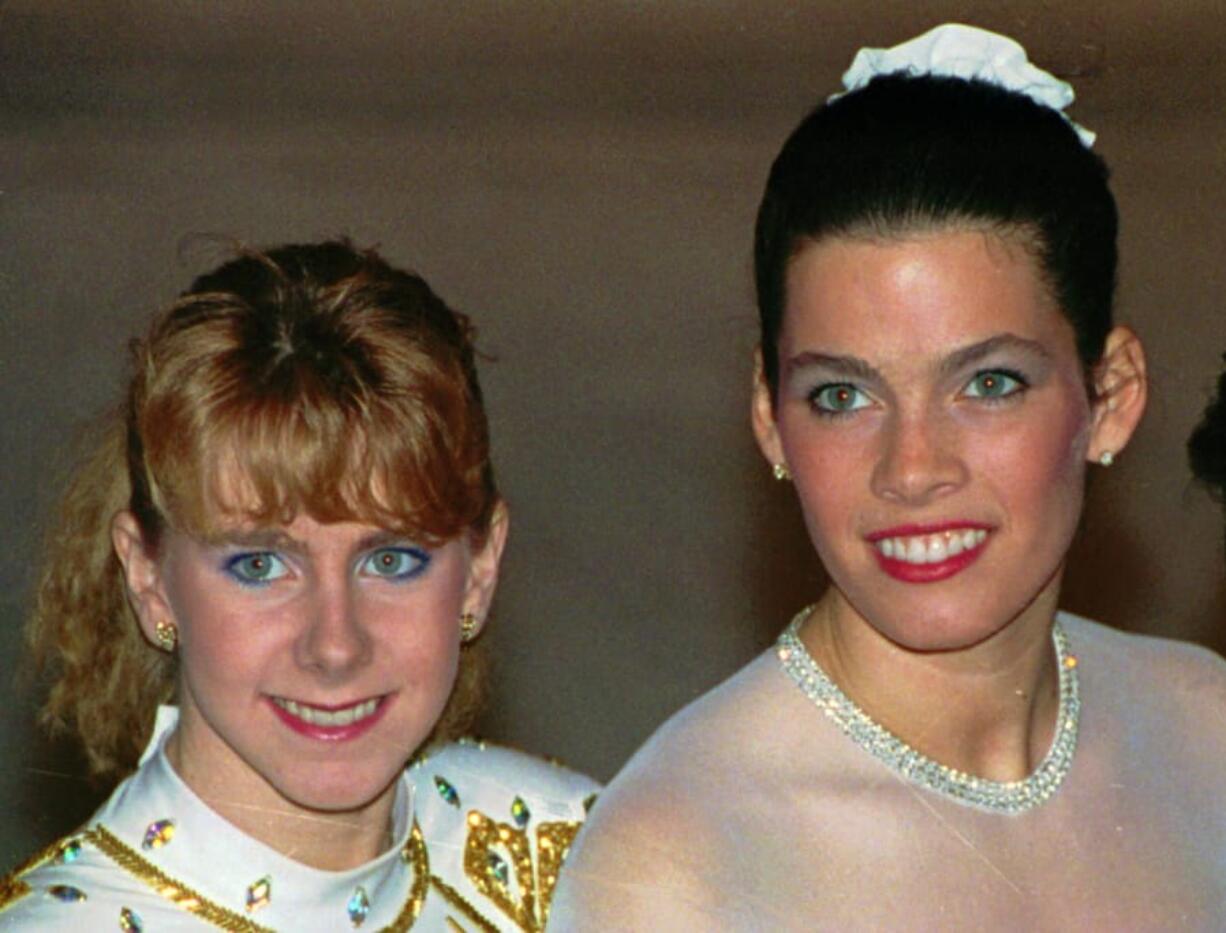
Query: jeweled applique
<point x="447" y="791"/>
<point x="66" y="893"/>
<point x="499" y="862"/>
<point x="129" y="921"/>
<point x="259" y="894"/>
<point x="158" y="834"/>
<point x="520" y="812"/>
<point x="68" y="852"/>
<point x="358" y="907"/>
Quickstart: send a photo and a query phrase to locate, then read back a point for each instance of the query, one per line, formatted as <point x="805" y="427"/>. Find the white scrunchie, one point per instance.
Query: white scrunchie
<point x="961" y="51"/>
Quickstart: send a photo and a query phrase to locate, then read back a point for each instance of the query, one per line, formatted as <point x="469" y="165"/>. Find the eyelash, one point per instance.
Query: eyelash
<point x="1021" y="385"/>
<point x="233" y="566"/>
<point x="419" y="561"/>
<point x="827" y="412"/>
<point x="238" y="565"/>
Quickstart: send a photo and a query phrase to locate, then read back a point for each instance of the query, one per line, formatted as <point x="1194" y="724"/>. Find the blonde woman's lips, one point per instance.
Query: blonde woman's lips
<point x="329" y="723"/>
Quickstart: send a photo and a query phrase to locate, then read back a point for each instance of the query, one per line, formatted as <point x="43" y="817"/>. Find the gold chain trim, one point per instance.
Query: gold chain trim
<point x="176" y="892"/>
<point x="460" y="903"/>
<point x="181" y="895"/>
<point x="12" y="888"/>
<point x="414" y="854"/>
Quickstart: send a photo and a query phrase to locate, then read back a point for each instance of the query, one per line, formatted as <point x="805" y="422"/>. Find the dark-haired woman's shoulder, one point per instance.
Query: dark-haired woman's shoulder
<point x="670" y="845"/>
<point x="1157" y="693"/>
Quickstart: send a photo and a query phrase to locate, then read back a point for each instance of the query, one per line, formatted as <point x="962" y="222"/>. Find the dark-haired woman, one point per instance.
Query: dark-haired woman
<point x="1207" y="445"/>
<point x="292" y="535"/>
<point x="933" y="745"/>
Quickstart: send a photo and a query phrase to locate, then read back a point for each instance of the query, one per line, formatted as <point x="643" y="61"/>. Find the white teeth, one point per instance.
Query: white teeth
<point x="328" y="718"/>
<point x="931" y="549"/>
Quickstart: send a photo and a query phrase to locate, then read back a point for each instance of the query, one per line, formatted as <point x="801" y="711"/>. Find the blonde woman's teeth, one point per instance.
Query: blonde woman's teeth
<point x="328" y="717"/>
<point x="931" y="549"/>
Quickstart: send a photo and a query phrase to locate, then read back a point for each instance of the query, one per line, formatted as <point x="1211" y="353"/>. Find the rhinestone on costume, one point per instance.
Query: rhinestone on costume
<point x="66" y="893"/>
<point x="358" y="907"/>
<point x="446" y="791"/>
<point x="129" y="921"/>
<point x="497" y="866"/>
<point x="259" y="894"/>
<point x="158" y="834"/>
<point x="68" y="852"/>
<point x="520" y="812"/>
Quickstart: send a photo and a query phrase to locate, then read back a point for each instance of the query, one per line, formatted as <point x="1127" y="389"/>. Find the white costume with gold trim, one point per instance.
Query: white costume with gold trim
<point x="480" y="833"/>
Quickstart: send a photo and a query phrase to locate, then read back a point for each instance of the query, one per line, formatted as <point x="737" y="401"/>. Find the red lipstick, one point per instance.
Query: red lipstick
<point x="331" y="733"/>
<point x="912" y="572"/>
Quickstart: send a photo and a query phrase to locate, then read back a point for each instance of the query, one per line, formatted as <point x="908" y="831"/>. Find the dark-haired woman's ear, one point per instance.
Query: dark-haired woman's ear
<point x="762" y="414"/>
<point x="1120" y="390"/>
<point x="483" y="571"/>
<point x="143" y="578"/>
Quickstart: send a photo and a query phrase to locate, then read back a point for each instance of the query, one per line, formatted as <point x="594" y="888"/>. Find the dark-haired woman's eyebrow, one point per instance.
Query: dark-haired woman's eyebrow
<point x="851" y="367"/>
<point x="966" y="357"/>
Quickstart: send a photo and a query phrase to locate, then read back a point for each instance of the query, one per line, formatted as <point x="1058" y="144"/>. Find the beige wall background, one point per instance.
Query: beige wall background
<point x="581" y="177"/>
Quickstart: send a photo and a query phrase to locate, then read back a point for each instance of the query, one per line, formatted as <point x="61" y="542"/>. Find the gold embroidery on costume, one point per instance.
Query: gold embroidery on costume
<point x="495" y="853"/>
<point x="129" y="860"/>
<point x="174" y="891"/>
<point x="552" y="845"/>
<point x="416" y="856"/>
<point x="461" y="903"/>
<point x="13" y="888"/>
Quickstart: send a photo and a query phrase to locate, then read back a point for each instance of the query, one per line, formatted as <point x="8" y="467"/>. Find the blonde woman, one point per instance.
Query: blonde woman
<point x="264" y="596"/>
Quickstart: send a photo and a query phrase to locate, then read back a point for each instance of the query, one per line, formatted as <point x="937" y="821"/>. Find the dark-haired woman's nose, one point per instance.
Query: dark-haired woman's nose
<point x="920" y="460"/>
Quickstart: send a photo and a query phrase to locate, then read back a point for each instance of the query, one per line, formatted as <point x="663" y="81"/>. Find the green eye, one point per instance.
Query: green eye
<point x="396" y="563"/>
<point x="256" y="568"/>
<point x="838" y="398"/>
<point x="994" y="383"/>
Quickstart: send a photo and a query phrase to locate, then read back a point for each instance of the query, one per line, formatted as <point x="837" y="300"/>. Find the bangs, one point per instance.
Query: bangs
<point x="413" y="463"/>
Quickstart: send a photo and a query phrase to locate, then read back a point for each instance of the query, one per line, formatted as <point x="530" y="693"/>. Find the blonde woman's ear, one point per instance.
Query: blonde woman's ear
<point x="142" y="576"/>
<point x="1121" y="389"/>
<point x="483" y="569"/>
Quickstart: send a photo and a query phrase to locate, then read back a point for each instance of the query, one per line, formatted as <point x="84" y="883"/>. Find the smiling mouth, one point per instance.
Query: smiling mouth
<point x="930" y="548"/>
<point x="329" y="718"/>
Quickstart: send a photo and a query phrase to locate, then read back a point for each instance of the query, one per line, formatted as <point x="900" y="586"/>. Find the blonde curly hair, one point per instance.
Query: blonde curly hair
<point x="337" y="385"/>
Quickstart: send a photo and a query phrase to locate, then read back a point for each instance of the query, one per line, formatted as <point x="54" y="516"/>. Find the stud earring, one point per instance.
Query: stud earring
<point x="468" y="628"/>
<point x="166" y="635"/>
<point x="780" y="472"/>
<point x="1106" y="458"/>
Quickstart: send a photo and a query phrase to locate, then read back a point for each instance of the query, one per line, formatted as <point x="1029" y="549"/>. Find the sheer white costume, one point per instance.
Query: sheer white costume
<point x="479" y="836"/>
<point x="751" y="810"/>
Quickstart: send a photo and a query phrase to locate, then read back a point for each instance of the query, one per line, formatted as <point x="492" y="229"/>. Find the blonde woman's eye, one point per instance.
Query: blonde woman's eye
<point x="396" y="563"/>
<point x="995" y="384"/>
<point x="257" y="568"/>
<point x="837" y="399"/>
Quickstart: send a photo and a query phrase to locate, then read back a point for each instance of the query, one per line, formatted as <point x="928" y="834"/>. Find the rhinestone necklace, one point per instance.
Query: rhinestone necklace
<point x="997" y="796"/>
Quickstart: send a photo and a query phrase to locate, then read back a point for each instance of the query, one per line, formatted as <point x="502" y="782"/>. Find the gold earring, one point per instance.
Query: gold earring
<point x="166" y="635"/>
<point x="1106" y="458"/>
<point x="780" y="472"/>
<point x="468" y="627"/>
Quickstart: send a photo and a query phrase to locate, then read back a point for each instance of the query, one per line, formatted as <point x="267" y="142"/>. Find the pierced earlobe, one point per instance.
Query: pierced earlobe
<point x="166" y="635"/>
<point x="469" y="626"/>
<point x="781" y="472"/>
<point x="1106" y="458"/>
